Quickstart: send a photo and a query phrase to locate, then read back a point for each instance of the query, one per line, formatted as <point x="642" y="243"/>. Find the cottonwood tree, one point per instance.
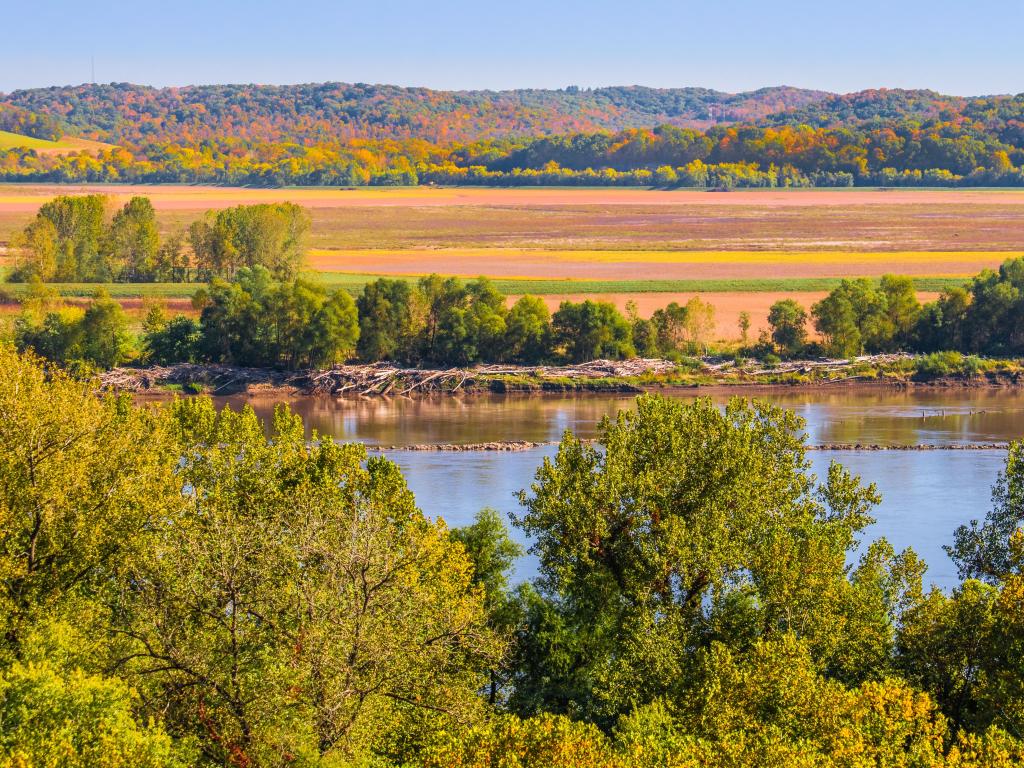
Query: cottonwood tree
<point x="82" y="478"/>
<point x="685" y="524"/>
<point x="301" y="605"/>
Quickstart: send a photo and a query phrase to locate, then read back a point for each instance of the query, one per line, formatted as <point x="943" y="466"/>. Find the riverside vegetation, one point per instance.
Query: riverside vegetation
<point x="180" y="590"/>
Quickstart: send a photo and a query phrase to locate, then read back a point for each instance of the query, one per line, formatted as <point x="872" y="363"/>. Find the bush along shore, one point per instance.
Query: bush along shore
<point x="638" y="374"/>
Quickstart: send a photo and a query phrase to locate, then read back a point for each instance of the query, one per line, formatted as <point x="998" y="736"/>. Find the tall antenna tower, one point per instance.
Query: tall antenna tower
<point x="92" y="62"/>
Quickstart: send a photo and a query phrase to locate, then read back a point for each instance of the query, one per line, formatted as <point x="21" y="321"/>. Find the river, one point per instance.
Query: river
<point x="926" y="494"/>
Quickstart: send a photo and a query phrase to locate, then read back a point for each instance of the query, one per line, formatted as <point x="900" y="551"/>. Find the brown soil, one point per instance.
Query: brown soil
<point x="201" y="197"/>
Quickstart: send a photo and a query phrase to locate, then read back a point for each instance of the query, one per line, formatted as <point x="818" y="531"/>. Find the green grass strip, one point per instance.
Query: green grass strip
<point x="354" y="283"/>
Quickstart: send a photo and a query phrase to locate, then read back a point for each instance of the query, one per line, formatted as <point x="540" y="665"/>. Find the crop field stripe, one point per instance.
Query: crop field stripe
<point x="354" y="282"/>
<point x="666" y="256"/>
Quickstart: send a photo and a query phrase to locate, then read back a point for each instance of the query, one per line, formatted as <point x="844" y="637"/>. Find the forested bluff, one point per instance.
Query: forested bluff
<point x="352" y="135"/>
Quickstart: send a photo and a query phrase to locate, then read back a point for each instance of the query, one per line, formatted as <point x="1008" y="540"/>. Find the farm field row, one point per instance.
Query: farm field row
<point x="599" y="219"/>
<point x="656" y="289"/>
<point x="632" y="265"/>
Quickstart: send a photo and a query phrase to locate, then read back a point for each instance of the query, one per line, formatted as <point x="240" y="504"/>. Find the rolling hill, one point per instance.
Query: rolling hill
<point x="356" y="134"/>
<point x="134" y="114"/>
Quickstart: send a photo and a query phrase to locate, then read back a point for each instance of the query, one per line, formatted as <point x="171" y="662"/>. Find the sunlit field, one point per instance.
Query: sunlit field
<point x="43" y="146"/>
<point x="740" y="250"/>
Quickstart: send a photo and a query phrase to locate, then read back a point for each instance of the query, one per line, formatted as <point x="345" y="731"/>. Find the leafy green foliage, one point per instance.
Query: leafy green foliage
<point x="690" y="524"/>
<point x="590" y="330"/>
<point x="97" y="336"/>
<point x="981" y="550"/>
<point x="265" y="235"/>
<point x="76" y="720"/>
<point x="788" y="321"/>
<point x="258" y="321"/>
<point x="71" y="241"/>
<point x="191" y="586"/>
<point x="299" y="604"/>
<point x="81" y="477"/>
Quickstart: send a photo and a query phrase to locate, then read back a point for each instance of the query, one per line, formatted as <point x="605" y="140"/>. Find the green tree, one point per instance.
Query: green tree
<point x="492" y="552"/>
<point x="788" y="321"/>
<point x="174" y="341"/>
<point x="744" y="325"/>
<point x="133" y="242"/>
<point x="36" y="248"/>
<point x="687" y="520"/>
<point x="902" y="309"/>
<point x="55" y="334"/>
<point x="270" y="235"/>
<point x="945" y="644"/>
<point x="591" y="330"/>
<point x="105" y="340"/>
<point x="300" y="604"/>
<point x="79" y="223"/>
<point x="981" y="550"/>
<point x="941" y="325"/>
<point x="171" y="263"/>
<point x="386" y="324"/>
<point x="81" y="480"/>
<point x="468" y="323"/>
<point x="527" y="331"/>
<point x="441" y="302"/>
<point x="853" y="319"/>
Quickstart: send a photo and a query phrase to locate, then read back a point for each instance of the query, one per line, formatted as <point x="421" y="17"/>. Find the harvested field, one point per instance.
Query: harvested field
<point x="189" y="196"/>
<point x="651" y="265"/>
<point x="741" y="250"/>
<point x="600" y="219"/>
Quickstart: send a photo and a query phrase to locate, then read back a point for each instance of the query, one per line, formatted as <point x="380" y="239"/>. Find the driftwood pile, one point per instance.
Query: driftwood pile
<point x="363" y="380"/>
<point x="827" y="365"/>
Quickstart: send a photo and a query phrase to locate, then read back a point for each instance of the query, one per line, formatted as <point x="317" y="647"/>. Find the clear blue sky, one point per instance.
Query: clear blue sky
<point x="960" y="47"/>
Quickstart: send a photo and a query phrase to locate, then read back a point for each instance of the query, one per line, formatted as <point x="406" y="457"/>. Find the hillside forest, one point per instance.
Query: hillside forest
<point x="352" y="135"/>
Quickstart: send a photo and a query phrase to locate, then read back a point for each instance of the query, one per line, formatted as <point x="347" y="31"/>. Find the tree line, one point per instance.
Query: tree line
<point x="256" y="320"/>
<point x="260" y="321"/>
<point x="983" y="317"/>
<point x="982" y="147"/>
<point x="74" y="238"/>
<point x="183" y="588"/>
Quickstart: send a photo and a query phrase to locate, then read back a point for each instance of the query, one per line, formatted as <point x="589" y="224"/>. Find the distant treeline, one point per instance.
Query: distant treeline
<point x="906" y="154"/>
<point x="956" y="143"/>
<point x="258" y="321"/>
<point x="984" y="317"/>
<point x="74" y="239"/>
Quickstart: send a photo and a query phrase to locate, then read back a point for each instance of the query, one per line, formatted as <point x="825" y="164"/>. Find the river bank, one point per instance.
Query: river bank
<point x="607" y="376"/>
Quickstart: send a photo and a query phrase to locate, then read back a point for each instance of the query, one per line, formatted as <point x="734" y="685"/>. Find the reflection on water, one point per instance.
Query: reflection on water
<point x="832" y="415"/>
<point x="925" y="494"/>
